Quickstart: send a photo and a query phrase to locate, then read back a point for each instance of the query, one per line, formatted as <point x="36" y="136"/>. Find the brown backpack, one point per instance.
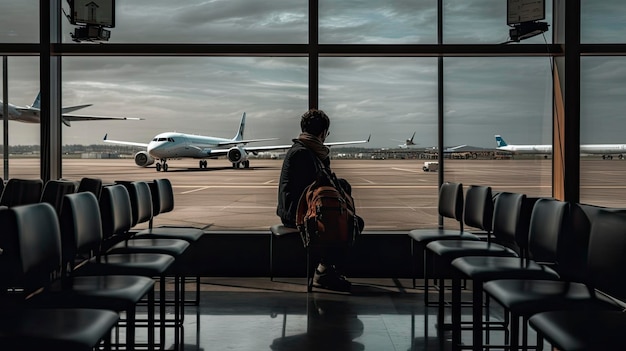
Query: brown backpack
<point x="326" y="216"/>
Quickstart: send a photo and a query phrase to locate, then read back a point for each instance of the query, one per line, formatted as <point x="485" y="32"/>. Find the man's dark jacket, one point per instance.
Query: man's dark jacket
<point x="297" y="173"/>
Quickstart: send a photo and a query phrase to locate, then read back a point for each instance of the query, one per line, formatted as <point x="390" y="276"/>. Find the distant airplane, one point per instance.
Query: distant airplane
<point x="601" y="149"/>
<point x="408" y="142"/>
<point x="180" y="145"/>
<point x="32" y="114"/>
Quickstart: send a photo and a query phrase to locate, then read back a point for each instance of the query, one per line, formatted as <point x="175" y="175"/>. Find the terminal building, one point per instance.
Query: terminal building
<point x="455" y="72"/>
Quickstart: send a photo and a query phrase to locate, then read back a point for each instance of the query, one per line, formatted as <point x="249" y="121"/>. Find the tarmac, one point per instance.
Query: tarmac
<point x="391" y="195"/>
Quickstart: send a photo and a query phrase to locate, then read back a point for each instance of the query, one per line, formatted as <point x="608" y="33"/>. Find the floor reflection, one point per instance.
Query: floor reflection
<point x="257" y="314"/>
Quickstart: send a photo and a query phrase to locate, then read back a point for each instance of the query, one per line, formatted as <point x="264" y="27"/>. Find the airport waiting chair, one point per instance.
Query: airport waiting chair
<point x="451" y="205"/>
<point x="162" y="194"/>
<point x="21" y="192"/>
<point x="597" y="287"/>
<point x="31" y="254"/>
<point x="280" y="232"/>
<point x="92" y="260"/>
<point x="120" y="293"/>
<point x="510" y="223"/>
<point x="547" y="225"/>
<point x="54" y="192"/>
<point x="93" y="185"/>
<point x="140" y="199"/>
<point x="581" y="330"/>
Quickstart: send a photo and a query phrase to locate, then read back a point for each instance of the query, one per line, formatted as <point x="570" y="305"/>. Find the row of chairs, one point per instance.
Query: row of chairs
<point x="90" y="273"/>
<point x="549" y="262"/>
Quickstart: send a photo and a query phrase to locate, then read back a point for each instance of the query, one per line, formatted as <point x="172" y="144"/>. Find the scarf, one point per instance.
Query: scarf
<point x="314" y="144"/>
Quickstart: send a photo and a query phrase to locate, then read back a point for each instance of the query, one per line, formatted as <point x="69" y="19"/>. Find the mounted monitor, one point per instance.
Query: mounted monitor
<point x="522" y="11"/>
<point x="99" y="13"/>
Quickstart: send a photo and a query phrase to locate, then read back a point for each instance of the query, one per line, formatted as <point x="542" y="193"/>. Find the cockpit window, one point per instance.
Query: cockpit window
<point x="171" y="140"/>
<point x="155" y="139"/>
<point x="162" y="139"/>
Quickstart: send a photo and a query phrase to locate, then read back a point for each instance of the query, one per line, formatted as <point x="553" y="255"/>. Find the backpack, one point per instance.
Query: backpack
<point x="326" y="216"/>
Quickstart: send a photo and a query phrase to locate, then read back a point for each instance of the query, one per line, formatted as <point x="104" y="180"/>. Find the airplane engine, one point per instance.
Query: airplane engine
<point x="237" y="154"/>
<point x="142" y="159"/>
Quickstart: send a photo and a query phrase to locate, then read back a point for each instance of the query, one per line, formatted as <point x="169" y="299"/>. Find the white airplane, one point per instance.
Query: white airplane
<point x="32" y="114"/>
<point x="407" y="143"/>
<point x="170" y="145"/>
<point x="601" y="149"/>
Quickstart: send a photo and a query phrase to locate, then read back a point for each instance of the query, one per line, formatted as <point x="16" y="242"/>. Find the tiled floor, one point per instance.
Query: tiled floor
<point x="256" y="314"/>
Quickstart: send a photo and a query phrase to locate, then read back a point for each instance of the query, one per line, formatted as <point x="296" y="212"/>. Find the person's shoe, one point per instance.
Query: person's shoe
<point x="331" y="280"/>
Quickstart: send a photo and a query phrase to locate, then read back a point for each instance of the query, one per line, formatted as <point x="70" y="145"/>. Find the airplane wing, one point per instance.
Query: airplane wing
<point x="455" y="147"/>
<point x="131" y="143"/>
<point x="349" y="142"/>
<point x="72" y="118"/>
<point x="237" y="142"/>
<point x="283" y="147"/>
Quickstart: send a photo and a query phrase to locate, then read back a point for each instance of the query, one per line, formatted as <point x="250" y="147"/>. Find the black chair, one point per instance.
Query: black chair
<point x="31" y="253"/>
<point x="510" y="225"/>
<point x="141" y="208"/>
<point x="121" y="293"/>
<point x="546" y="228"/>
<point x="450" y="205"/>
<point x="162" y="194"/>
<point x="21" y="192"/>
<point x="477" y="213"/>
<point x="54" y="192"/>
<point x="93" y="185"/>
<point x="92" y="260"/>
<point x="602" y="275"/>
<point x="581" y="330"/>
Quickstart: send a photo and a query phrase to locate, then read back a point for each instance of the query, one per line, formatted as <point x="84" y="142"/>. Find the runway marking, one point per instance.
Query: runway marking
<point x="270" y="181"/>
<point x="407" y="170"/>
<point x="369" y="181"/>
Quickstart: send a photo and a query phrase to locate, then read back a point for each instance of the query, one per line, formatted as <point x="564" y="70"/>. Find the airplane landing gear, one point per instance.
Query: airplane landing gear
<point x="202" y="164"/>
<point x="242" y="164"/>
<point x="162" y="165"/>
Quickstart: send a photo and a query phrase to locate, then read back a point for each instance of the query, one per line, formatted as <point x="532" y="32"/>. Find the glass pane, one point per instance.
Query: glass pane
<point x="197" y="21"/>
<point x="389" y="98"/>
<point x="198" y="97"/>
<point x="603" y="101"/>
<point x="507" y="96"/>
<point x="379" y="22"/>
<point x="23" y="126"/>
<point x="602" y="21"/>
<point x="19" y="21"/>
<point x="483" y="22"/>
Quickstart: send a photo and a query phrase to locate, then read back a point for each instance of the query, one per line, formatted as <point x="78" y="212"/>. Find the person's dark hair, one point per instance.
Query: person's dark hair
<point x="314" y="122"/>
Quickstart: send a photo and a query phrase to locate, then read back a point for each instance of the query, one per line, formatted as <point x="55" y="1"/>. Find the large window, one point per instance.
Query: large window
<point x="482" y="22"/>
<point x="603" y="101"/>
<point x="19" y="21"/>
<point x="391" y="99"/>
<point x="603" y="21"/>
<point x="485" y="97"/>
<point x="378" y="22"/>
<point x="196" y="21"/>
<point x="390" y="92"/>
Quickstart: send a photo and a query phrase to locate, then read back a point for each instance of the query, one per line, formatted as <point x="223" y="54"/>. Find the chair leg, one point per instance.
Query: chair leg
<point x="271" y="257"/>
<point x="309" y="279"/>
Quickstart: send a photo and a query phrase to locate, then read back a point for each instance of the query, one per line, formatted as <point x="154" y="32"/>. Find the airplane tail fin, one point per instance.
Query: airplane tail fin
<point x="242" y="126"/>
<point x="410" y="141"/>
<point x="500" y="142"/>
<point x="37" y="102"/>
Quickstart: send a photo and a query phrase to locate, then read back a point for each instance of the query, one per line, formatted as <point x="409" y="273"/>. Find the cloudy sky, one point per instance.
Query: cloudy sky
<point x="389" y="98"/>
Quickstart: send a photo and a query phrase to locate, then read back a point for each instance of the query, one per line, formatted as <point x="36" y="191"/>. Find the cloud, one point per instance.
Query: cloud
<point x="388" y="97"/>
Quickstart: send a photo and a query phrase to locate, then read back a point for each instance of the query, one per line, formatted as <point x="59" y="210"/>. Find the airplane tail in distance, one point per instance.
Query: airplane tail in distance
<point x="37" y="102"/>
<point x="242" y="126"/>
<point x="500" y="142"/>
